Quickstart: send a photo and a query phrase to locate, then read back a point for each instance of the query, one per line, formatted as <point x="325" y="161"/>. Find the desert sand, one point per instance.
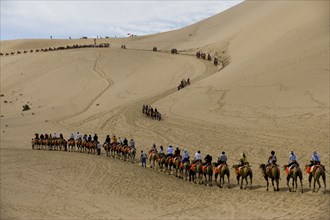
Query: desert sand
<point x="272" y="94"/>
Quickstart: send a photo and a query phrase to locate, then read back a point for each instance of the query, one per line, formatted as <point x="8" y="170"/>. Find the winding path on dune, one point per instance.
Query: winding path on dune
<point x="100" y="73"/>
<point x="126" y="111"/>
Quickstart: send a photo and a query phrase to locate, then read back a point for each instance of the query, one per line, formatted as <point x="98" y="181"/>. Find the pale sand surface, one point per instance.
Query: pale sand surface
<point x="274" y="94"/>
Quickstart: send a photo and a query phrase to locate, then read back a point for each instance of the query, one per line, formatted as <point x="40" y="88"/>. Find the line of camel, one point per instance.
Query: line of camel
<point x="75" y="46"/>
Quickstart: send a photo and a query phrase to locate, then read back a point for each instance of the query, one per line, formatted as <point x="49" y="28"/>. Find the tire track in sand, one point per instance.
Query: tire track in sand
<point x="96" y="69"/>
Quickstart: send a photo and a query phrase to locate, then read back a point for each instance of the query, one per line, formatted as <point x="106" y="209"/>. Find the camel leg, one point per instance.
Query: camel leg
<point x="266" y="178"/>
<point x="314" y="184"/>
<point x="301" y="184"/>
<point x="319" y="184"/>
<point x="242" y="183"/>
<point x="228" y="181"/>
<point x="273" y="184"/>
<point x="210" y="177"/>
<point x="324" y="183"/>
<point x="288" y="183"/>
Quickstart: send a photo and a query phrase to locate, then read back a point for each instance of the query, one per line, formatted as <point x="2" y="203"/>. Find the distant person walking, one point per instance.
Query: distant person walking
<point x="143" y="159"/>
<point x="99" y="147"/>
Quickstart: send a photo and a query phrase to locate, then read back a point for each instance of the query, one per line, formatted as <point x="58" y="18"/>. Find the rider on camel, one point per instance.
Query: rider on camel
<point x="177" y="152"/>
<point x="114" y="139"/>
<point x="315" y="159"/>
<point x="54" y="136"/>
<point x="120" y="142"/>
<point x="89" y="139"/>
<point x="208" y="160"/>
<point x="243" y="161"/>
<point x="125" y="142"/>
<point x="78" y="136"/>
<point x="292" y="159"/>
<point x="161" y="151"/>
<point x="107" y="139"/>
<point x="61" y="136"/>
<point x="185" y="157"/>
<point x="169" y="151"/>
<point x="132" y="144"/>
<point x="153" y="148"/>
<point x="272" y="159"/>
<point x="42" y="136"/>
<point x="222" y="159"/>
<point x="95" y="138"/>
<point x="197" y="157"/>
<point x="36" y="136"/>
<point x="71" y="137"/>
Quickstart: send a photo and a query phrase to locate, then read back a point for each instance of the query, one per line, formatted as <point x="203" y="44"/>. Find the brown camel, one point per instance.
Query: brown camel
<point x="153" y="157"/>
<point x="208" y="174"/>
<point x="199" y="172"/>
<point x="222" y="170"/>
<point x="244" y="171"/>
<point x="294" y="173"/>
<point x="317" y="171"/>
<point x="272" y="172"/>
<point x="106" y="147"/>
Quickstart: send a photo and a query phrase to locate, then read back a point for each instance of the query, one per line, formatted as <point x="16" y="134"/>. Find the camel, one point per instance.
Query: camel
<point x="131" y="154"/>
<point x="153" y="157"/>
<point x="178" y="167"/>
<point x="34" y="143"/>
<point x="71" y="145"/>
<point x="154" y="49"/>
<point x="185" y="170"/>
<point x="209" y="57"/>
<point x="170" y="162"/>
<point x="63" y="144"/>
<point x="174" y="51"/>
<point x="161" y="162"/>
<point x="106" y="147"/>
<point x="198" y="54"/>
<point x="317" y="171"/>
<point x="208" y="174"/>
<point x="216" y="61"/>
<point x="222" y="170"/>
<point x="294" y="173"/>
<point x="244" y="171"/>
<point x="192" y="173"/>
<point x="272" y="172"/>
<point x="79" y="145"/>
<point x="199" y="172"/>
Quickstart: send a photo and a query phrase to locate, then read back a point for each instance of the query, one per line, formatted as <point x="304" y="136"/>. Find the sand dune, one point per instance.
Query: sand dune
<point x="273" y="94"/>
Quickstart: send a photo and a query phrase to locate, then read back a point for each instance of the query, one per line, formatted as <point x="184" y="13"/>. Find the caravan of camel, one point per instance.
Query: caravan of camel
<point x="113" y="147"/>
<point x="75" y="46"/>
<point x="195" y="170"/>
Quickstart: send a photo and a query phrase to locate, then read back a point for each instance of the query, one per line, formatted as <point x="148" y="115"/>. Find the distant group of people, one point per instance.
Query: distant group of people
<point x="151" y="112"/>
<point x="184" y="83"/>
<point x="208" y="57"/>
